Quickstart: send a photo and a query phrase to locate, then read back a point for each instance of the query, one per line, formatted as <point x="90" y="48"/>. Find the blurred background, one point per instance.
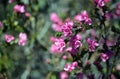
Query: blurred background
<point x="34" y="60"/>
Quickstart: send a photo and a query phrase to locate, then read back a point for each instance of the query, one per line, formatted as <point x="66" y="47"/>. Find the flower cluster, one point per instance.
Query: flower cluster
<point x="67" y="28"/>
<point x="70" y="67"/>
<point x="81" y="37"/>
<point x="92" y="44"/>
<point x="22" y="38"/>
<point x="101" y="3"/>
<point x="83" y="17"/>
<point x="58" y="45"/>
<point x="19" y="8"/>
<point x="57" y="22"/>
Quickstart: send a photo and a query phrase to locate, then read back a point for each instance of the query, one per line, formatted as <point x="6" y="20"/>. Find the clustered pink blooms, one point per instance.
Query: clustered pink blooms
<point x="70" y="67"/>
<point x="57" y="22"/>
<point x="1" y="24"/>
<point x="8" y="38"/>
<point x="22" y="39"/>
<point x="83" y="17"/>
<point x="67" y="28"/>
<point x="19" y="8"/>
<point x="101" y="3"/>
<point x="58" y="45"/>
<point x="11" y="1"/>
<point x="92" y="44"/>
<point x="63" y="75"/>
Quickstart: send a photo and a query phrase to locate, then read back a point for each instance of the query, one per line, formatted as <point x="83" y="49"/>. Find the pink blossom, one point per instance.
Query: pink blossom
<point x="56" y="27"/>
<point x="11" y="1"/>
<point x="22" y="39"/>
<point x="55" y="18"/>
<point x="108" y="15"/>
<point x="70" y="67"/>
<point x="112" y="76"/>
<point x="63" y="75"/>
<point x="52" y="39"/>
<point x="64" y="57"/>
<point x="67" y="28"/>
<point x="100" y="3"/>
<point x="19" y="8"/>
<point x="27" y="14"/>
<point x="104" y="57"/>
<point x="1" y="24"/>
<point x="88" y="21"/>
<point x="118" y="6"/>
<point x="92" y="44"/>
<point x="58" y="46"/>
<point x="8" y="38"/>
<point x="83" y="16"/>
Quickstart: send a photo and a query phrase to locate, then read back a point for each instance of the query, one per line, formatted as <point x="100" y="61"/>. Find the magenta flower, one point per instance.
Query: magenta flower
<point x="70" y="67"/>
<point x="75" y="41"/>
<point x="11" y="1"/>
<point x="19" y="8"/>
<point x="83" y="16"/>
<point x="58" y="46"/>
<point x="55" y="18"/>
<point x="67" y="28"/>
<point x="27" y="14"/>
<point x="104" y="57"/>
<point x="92" y="44"/>
<point x="1" y="24"/>
<point x="22" y="39"/>
<point x="63" y="75"/>
<point x="8" y="38"/>
<point x="101" y="3"/>
<point x="57" y="27"/>
<point x="118" y="6"/>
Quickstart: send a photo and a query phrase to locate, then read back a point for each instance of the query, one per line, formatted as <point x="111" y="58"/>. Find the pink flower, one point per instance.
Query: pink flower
<point x="1" y="24"/>
<point x="67" y="28"/>
<point x="100" y="3"/>
<point x="22" y="39"/>
<point x="88" y="21"/>
<point x="83" y="16"/>
<point x="56" y="27"/>
<point x="75" y="41"/>
<point x="104" y="57"/>
<point x="118" y="6"/>
<point x="64" y="57"/>
<point x="11" y="1"/>
<point x="58" y="46"/>
<point x="19" y="8"/>
<point x="70" y="67"/>
<point x="8" y="38"/>
<point x="63" y="75"/>
<point x="92" y="44"/>
<point x="55" y="18"/>
<point x="27" y="14"/>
